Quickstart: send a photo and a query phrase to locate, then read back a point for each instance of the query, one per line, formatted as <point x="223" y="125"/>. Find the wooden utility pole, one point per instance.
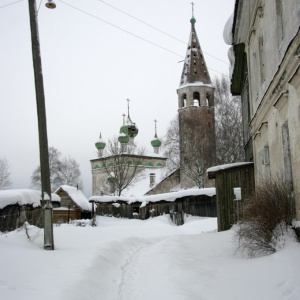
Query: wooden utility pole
<point x="42" y="127"/>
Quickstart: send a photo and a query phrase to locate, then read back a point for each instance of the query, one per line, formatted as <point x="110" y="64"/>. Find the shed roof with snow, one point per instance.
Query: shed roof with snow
<point x="76" y="196"/>
<point x="23" y="197"/>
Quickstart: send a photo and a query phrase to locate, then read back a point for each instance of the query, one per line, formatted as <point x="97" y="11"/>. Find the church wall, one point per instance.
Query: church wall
<point x="99" y="174"/>
<point x="167" y="184"/>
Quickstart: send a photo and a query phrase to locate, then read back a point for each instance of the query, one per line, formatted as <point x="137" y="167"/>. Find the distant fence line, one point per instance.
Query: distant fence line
<point x="203" y="206"/>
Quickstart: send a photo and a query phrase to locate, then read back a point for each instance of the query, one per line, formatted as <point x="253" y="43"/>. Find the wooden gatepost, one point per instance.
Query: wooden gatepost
<point x="234" y="182"/>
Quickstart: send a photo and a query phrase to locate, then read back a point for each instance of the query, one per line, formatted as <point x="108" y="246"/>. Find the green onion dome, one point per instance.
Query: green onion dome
<point x="100" y="144"/>
<point x="156" y="143"/>
<point x="130" y="128"/>
<point x="193" y="20"/>
<point x="123" y="137"/>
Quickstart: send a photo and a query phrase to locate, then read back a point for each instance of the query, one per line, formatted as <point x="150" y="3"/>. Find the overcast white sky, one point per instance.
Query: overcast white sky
<point x="90" y="68"/>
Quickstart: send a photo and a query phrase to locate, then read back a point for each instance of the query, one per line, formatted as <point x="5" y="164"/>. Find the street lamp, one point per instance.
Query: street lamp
<point x="50" y="4"/>
<point x="42" y="125"/>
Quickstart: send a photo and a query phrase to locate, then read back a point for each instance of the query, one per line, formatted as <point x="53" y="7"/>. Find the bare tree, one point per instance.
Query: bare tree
<point x="194" y="165"/>
<point x="229" y="127"/>
<point x="122" y="165"/>
<point x="63" y="170"/>
<point x="5" y="181"/>
<point x="197" y="152"/>
<point x="171" y="145"/>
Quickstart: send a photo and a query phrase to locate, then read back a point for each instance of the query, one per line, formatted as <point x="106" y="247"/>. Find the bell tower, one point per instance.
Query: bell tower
<point x="196" y="116"/>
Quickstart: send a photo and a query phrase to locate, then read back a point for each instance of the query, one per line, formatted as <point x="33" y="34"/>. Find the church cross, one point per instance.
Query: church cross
<point x="193" y="9"/>
<point x="155" y="121"/>
<point x="128" y="106"/>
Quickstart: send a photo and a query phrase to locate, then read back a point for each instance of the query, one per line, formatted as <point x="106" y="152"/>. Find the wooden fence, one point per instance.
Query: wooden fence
<point x="14" y="216"/>
<point x="201" y="205"/>
<point x="229" y="210"/>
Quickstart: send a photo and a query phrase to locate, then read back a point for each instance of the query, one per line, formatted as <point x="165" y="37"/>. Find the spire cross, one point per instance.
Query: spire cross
<point x="193" y="9"/>
<point x="155" y="121"/>
<point x="128" y="106"/>
<point x="124" y="119"/>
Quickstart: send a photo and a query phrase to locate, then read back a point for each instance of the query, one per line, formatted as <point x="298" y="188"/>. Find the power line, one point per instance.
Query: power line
<point x="10" y="4"/>
<point x="157" y="29"/>
<point x="128" y="32"/>
<point x="135" y="35"/>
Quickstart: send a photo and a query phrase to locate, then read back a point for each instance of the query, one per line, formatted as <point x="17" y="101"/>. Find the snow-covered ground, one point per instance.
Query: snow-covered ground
<point x="134" y="260"/>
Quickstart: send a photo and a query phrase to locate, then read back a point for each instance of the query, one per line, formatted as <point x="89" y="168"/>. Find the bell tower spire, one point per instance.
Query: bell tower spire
<point x="196" y="116"/>
<point x="194" y="68"/>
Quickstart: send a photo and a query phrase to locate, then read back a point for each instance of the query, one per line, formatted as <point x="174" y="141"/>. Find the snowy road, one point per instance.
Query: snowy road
<point x="134" y="260"/>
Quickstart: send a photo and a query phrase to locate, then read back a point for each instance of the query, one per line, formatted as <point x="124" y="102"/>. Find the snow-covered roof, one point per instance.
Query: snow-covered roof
<point x="23" y="197"/>
<point x="215" y="169"/>
<point x="164" y="175"/>
<point x="198" y="83"/>
<point x="227" y="32"/>
<point x="77" y="196"/>
<point x="169" y="197"/>
<point x="142" y="186"/>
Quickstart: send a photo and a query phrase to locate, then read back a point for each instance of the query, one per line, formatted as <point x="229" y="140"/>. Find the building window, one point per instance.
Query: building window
<point x="266" y="157"/>
<point x="261" y="58"/>
<point x="279" y="17"/>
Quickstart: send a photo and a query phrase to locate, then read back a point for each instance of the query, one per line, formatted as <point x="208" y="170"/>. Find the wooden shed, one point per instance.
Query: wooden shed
<point x="234" y="182"/>
<point x="74" y="205"/>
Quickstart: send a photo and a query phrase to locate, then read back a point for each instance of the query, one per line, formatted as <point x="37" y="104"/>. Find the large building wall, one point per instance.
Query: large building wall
<point x="272" y="40"/>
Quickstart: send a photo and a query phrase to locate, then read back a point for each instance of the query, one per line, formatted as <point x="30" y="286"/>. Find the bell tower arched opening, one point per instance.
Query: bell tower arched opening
<point x="183" y="101"/>
<point x="196" y="99"/>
